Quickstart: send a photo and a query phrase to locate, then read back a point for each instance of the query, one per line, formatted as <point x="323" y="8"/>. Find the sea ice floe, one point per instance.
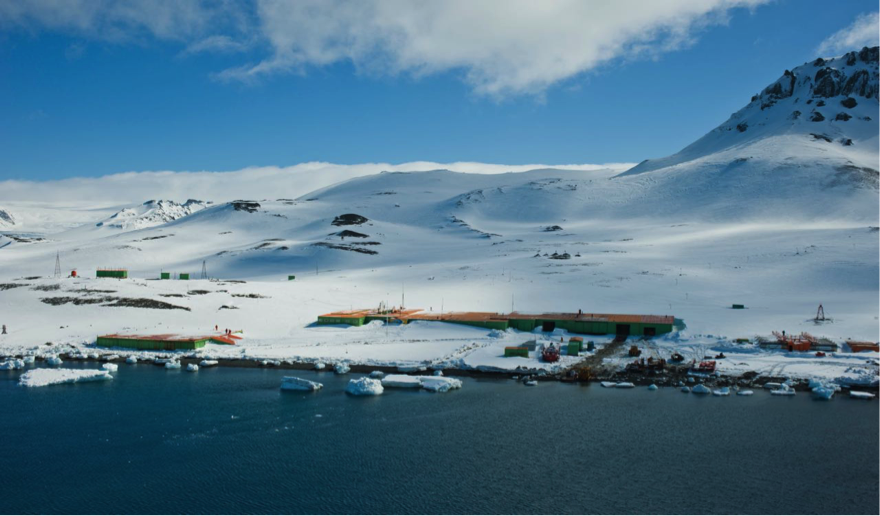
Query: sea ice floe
<point x="429" y="383"/>
<point x="109" y="367"/>
<point x="364" y="387"/>
<point x="12" y="364"/>
<point x="172" y="365"/>
<point x="320" y="366"/>
<point x="701" y="389"/>
<point x="292" y="383"/>
<point x="192" y="368"/>
<point x="341" y="368"/>
<point x="54" y="361"/>
<point x="377" y="374"/>
<point x="208" y="363"/>
<point x="43" y="377"/>
<point x="131" y="360"/>
<point x="861" y="395"/>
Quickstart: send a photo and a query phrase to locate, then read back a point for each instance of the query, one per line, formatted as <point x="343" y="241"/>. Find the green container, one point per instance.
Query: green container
<point x="291" y="278"/>
<point x="738" y="307"/>
<point x="164" y="275"/>
<point x="114" y="273"/>
<point x="515" y="351"/>
<point x="184" y="275"/>
<point x="574" y="347"/>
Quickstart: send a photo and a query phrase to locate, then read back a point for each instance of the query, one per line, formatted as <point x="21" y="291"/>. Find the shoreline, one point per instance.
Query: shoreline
<point x="674" y="376"/>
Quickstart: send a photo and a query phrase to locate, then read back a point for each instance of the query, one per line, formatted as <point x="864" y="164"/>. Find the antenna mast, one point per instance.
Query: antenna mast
<point x="57" y="264"/>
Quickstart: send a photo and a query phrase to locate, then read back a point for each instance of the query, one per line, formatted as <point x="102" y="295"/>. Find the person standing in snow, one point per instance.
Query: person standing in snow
<point x="4" y="330"/>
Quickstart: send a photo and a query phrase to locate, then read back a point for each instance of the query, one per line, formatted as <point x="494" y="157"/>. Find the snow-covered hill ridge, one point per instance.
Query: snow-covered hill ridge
<point x="152" y="213"/>
<point x="6" y="218"/>
<point x="828" y="105"/>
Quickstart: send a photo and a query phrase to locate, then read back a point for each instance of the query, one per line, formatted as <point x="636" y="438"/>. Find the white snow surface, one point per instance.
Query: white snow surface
<point x="43" y="377"/>
<point x="772" y="217"/>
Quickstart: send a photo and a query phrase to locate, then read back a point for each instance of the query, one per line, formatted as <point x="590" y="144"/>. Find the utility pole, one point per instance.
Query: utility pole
<point x="57" y="264"/>
<point x="402" y="296"/>
<point x="204" y="270"/>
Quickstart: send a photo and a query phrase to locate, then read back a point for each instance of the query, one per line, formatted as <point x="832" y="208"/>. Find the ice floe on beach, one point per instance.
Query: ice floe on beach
<point x="44" y="377"/>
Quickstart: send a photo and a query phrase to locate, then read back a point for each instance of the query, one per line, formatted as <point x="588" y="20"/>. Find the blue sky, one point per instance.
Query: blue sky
<point x="100" y="96"/>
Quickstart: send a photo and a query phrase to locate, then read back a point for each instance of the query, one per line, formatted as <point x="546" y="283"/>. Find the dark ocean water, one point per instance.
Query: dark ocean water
<point x="227" y="440"/>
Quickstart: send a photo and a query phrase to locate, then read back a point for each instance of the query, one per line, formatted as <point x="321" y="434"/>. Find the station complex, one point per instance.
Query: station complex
<point x="579" y="322"/>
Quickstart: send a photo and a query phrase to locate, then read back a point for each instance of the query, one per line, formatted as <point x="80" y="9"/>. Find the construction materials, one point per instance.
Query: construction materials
<point x="516" y="351"/>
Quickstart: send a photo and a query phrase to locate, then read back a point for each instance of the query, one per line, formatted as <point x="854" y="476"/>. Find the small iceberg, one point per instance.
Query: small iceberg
<point x="401" y="381"/>
<point x="772" y="385"/>
<point x="54" y="361"/>
<point x="29" y="359"/>
<point x="724" y="391"/>
<point x="110" y="358"/>
<point x="783" y="390"/>
<point x="530" y="383"/>
<point x="377" y="374"/>
<point x="685" y="389"/>
<point x="823" y="393"/>
<point x="292" y="383"/>
<point x="44" y="377"/>
<point x="94" y="356"/>
<point x="652" y="387"/>
<point x="625" y="385"/>
<point x="208" y="363"/>
<point x="320" y="366"/>
<point x="172" y="365"/>
<point x="12" y="364"/>
<point x="744" y="393"/>
<point x="364" y="387"/>
<point x="131" y="360"/>
<point x="861" y="395"/>
<point x="701" y="389"/>
<point x="110" y="367"/>
<point x="192" y="368"/>
<point x="438" y="372"/>
<point x="341" y="368"/>
<point x="440" y="384"/>
<point x="609" y="384"/>
<point x="162" y="361"/>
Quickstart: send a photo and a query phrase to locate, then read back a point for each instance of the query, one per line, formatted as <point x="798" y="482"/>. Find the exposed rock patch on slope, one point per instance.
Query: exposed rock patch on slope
<point x="152" y="213"/>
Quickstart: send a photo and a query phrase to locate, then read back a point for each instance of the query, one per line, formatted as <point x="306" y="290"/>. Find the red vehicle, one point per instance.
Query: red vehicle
<point x="705" y="367"/>
<point x="550" y="354"/>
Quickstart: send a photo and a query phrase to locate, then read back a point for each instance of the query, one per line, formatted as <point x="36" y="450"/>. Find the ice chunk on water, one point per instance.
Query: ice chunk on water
<point x="292" y="383"/>
<point x="861" y="395"/>
<point x="440" y="384"/>
<point x="652" y="387"/>
<point x="724" y="391"/>
<point x="401" y="381"/>
<point x="744" y="393"/>
<point x="12" y="364"/>
<point x="341" y="368"/>
<point x="625" y="385"/>
<point x="42" y="377"/>
<point x="131" y="360"/>
<point x="377" y="374"/>
<point x="172" y="365"/>
<point x="700" y="389"/>
<point x="109" y="367"/>
<point x="320" y="366"/>
<point x="192" y="368"/>
<point x="208" y="363"/>
<point x="609" y="384"/>
<point x="29" y="359"/>
<point x="364" y="387"/>
<point x="54" y="361"/>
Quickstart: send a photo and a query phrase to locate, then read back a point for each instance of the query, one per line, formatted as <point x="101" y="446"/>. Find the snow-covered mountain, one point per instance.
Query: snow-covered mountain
<point x="6" y="218"/>
<point x="820" y="115"/>
<point x="152" y="213"/>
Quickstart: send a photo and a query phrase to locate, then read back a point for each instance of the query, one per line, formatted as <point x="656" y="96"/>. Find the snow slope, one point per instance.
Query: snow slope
<point x="770" y="217"/>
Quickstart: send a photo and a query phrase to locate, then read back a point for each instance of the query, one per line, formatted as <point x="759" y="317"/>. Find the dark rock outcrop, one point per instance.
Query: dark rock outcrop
<point x="849" y="102"/>
<point x="247" y="206"/>
<point x="349" y="219"/>
<point x="817" y="117"/>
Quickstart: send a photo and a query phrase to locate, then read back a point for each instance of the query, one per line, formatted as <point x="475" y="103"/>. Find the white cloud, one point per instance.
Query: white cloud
<point x="248" y="183"/>
<point x="499" y="47"/>
<point x="863" y="32"/>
